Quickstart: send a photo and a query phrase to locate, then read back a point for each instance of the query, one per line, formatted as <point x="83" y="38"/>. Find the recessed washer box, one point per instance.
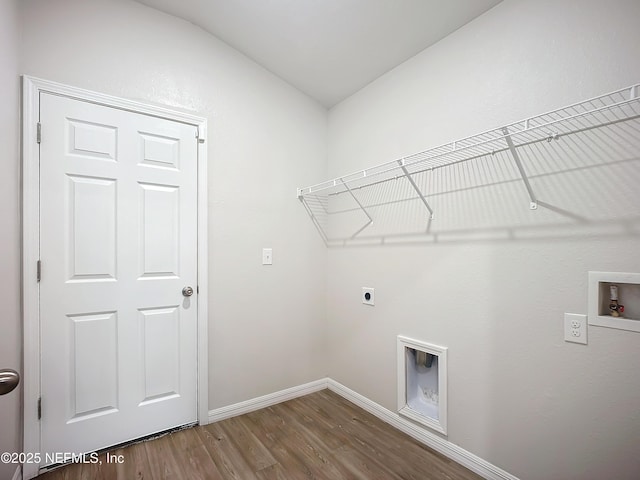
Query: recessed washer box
<point x="628" y="293"/>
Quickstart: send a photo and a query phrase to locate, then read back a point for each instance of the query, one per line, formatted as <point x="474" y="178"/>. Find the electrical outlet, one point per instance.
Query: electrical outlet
<point x="575" y="328"/>
<point x="368" y="297"/>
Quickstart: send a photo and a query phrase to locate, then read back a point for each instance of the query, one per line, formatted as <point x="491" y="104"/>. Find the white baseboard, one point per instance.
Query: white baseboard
<point x="448" y="449"/>
<point x="266" y="400"/>
<point x="439" y="444"/>
<point x="18" y="474"/>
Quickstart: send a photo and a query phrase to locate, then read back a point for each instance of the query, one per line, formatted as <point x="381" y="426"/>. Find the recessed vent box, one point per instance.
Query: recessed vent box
<point x="422" y="383"/>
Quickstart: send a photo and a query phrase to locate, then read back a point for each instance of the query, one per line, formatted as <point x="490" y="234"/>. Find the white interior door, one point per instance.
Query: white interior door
<point x="118" y="243"/>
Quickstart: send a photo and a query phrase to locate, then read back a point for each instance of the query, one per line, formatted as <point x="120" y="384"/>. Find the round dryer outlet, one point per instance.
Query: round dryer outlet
<point x="368" y="297"/>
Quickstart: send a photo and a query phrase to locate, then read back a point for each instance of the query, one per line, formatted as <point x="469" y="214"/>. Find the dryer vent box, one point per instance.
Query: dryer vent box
<point x="422" y="383"/>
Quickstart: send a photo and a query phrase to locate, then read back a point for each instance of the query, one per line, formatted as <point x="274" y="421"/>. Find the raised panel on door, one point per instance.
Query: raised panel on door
<point x="92" y="221"/>
<point x="94" y="365"/>
<point x="159" y="151"/>
<point x="159" y="230"/>
<point x="92" y="140"/>
<point x="160" y="347"/>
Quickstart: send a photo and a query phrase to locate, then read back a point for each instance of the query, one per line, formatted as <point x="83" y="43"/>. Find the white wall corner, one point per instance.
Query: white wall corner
<point x="266" y="400"/>
<point x="441" y="445"/>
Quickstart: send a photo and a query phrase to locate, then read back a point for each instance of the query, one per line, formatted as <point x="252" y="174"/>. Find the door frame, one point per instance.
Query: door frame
<point x="31" y="89"/>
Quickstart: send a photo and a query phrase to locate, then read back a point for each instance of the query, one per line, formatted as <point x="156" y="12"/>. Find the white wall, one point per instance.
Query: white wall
<point x="266" y="324"/>
<point x="519" y="396"/>
<point x="10" y="323"/>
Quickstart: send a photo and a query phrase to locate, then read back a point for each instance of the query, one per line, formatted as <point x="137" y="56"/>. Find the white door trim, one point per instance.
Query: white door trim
<point x="31" y="89"/>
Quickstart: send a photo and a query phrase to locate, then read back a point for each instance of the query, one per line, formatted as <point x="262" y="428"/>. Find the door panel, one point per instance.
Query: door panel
<point x="160" y="230"/>
<point x="93" y="224"/>
<point x="92" y="140"/>
<point x="94" y="356"/>
<point x="118" y="242"/>
<point x="159" y="151"/>
<point x="161" y="352"/>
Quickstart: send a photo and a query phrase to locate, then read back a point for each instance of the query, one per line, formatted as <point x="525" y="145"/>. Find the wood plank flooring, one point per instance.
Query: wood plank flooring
<point x="318" y="436"/>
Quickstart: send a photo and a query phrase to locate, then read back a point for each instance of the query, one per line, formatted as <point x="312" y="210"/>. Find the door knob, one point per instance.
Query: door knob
<point x="187" y="291"/>
<point x="9" y="380"/>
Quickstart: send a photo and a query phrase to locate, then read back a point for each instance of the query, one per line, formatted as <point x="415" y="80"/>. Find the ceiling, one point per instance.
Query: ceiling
<point x="328" y="49"/>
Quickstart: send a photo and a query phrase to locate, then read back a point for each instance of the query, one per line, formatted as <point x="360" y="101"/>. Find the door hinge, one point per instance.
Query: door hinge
<point x="39" y="408"/>
<point x="39" y="133"/>
<point x="38" y="270"/>
<point x="200" y="140"/>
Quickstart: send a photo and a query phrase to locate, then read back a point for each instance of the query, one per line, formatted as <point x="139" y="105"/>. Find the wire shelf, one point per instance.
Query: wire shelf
<point x="503" y="147"/>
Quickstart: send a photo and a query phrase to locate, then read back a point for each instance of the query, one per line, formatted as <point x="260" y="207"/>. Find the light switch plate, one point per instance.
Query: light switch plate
<point x="575" y="328"/>
<point x="267" y="256"/>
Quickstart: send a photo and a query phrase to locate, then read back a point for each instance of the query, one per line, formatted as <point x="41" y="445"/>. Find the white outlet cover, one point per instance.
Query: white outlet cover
<point x="575" y="328"/>
<point x="370" y="299"/>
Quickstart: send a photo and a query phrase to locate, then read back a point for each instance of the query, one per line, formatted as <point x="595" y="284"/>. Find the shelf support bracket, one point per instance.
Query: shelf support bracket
<point x="361" y="208"/>
<point x="533" y="204"/>
<point x="415" y="187"/>
<point x="314" y="219"/>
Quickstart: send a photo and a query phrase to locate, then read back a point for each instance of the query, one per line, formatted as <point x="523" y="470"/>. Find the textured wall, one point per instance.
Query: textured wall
<point x="495" y="288"/>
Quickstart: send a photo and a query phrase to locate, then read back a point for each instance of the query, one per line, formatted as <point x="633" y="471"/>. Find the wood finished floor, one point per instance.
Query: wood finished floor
<point x="318" y="436"/>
